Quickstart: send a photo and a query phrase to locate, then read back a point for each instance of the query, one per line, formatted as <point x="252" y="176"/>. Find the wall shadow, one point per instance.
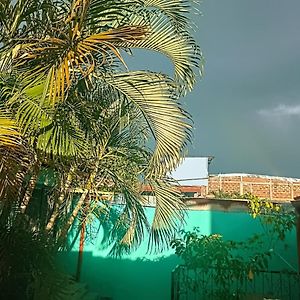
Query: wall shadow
<point x="123" y="279"/>
<point x="139" y="278"/>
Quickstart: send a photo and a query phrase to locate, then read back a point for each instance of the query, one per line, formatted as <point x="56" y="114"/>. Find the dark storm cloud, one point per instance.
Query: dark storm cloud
<point x="245" y="108"/>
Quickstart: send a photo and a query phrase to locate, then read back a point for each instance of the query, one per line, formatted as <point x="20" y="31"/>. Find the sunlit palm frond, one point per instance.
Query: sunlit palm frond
<point x="65" y="60"/>
<point x="154" y="95"/>
<point x="26" y="101"/>
<point x="181" y="48"/>
<point x="48" y="129"/>
<point x="176" y="10"/>
<point x="9" y="131"/>
<point x="7" y="55"/>
<point x="169" y="214"/>
<point x="62" y="139"/>
<point x="129" y="230"/>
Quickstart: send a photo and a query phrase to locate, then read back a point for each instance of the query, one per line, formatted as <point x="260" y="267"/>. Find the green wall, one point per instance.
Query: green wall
<point x="144" y="276"/>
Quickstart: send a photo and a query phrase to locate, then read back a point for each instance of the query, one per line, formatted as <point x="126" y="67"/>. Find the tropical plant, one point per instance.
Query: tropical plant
<point x="70" y="106"/>
<point x="222" y="265"/>
<point x="27" y="267"/>
<point x="276" y="219"/>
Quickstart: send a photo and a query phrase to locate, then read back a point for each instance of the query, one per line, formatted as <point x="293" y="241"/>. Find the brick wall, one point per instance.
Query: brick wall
<point x="274" y="188"/>
<point x="268" y="187"/>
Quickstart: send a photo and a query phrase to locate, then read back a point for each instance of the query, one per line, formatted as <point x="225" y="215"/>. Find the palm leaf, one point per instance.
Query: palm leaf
<point x="15" y="163"/>
<point x="46" y="128"/>
<point x="180" y="47"/>
<point x="65" y="60"/>
<point x="128" y="231"/>
<point x="154" y="95"/>
<point x="175" y="10"/>
<point x="103" y="13"/>
<point x="62" y="139"/>
<point x="9" y="133"/>
<point x="31" y="112"/>
<point x="169" y="213"/>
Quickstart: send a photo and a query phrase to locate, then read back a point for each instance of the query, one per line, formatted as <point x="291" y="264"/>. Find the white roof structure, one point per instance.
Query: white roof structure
<point x="192" y="172"/>
<point x="290" y="179"/>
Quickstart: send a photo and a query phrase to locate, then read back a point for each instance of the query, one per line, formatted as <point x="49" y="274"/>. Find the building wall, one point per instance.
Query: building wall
<point x="274" y="188"/>
<point x="144" y="276"/>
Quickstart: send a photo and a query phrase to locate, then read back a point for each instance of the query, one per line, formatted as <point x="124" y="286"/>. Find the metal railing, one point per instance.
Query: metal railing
<point x="198" y="284"/>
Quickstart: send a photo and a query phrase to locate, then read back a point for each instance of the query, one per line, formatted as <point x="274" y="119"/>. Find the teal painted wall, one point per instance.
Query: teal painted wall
<point x="144" y="276"/>
<point x="240" y="226"/>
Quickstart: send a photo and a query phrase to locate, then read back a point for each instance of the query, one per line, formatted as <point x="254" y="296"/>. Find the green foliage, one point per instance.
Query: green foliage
<point x="70" y="106"/>
<point x="224" y="195"/>
<point x="276" y="219"/>
<point x="27" y="267"/>
<point x="67" y="95"/>
<point x="225" y="261"/>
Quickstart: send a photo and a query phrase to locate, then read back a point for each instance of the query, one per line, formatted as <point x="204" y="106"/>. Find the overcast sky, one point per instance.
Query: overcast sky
<point x="246" y="109"/>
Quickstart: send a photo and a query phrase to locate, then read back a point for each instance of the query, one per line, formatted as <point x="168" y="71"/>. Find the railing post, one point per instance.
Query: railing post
<point x="174" y="284"/>
<point x="296" y="204"/>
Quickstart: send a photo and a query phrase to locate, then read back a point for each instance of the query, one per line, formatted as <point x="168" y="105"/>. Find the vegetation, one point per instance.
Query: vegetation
<point x="69" y="107"/>
<point x="275" y="219"/>
<point x="225" y="263"/>
<point x="228" y="264"/>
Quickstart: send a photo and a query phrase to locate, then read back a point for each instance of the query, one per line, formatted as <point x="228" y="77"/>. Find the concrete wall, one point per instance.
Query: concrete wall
<point x="144" y="276"/>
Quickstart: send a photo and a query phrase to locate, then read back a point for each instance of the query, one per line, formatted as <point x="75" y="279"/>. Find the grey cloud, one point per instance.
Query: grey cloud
<point x="281" y="110"/>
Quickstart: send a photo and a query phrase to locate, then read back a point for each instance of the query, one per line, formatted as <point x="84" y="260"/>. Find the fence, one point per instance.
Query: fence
<point x="198" y="284"/>
<point x="270" y="187"/>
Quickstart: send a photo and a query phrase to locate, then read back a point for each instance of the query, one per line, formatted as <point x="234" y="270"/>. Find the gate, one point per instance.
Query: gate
<point x="200" y="284"/>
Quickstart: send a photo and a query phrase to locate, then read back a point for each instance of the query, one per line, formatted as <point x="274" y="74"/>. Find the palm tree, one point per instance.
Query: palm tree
<point x="67" y="95"/>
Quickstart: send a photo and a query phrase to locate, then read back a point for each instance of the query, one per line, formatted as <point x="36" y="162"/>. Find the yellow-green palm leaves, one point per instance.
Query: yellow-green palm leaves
<point x="9" y="134"/>
<point x="73" y="101"/>
<point x="155" y="97"/>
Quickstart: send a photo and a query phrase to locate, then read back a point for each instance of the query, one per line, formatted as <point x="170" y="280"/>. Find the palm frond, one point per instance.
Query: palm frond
<point x="27" y="103"/>
<point x="65" y="60"/>
<point x="128" y="231"/>
<point x="104" y="13"/>
<point x="15" y="163"/>
<point x="175" y="10"/>
<point x="180" y="47"/>
<point x="46" y="128"/>
<point x="154" y="95"/>
<point x="24" y="18"/>
<point x="6" y="57"/>
<point x="169" y="214"/>
<point x="9" y="131"/>
<point x="62" y="139"/>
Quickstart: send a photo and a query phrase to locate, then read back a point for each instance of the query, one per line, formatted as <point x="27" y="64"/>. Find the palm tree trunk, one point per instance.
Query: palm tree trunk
<point x="30" y="188"/>
<point x="81" y="242"/>
<point x="73" y="216"/>
<point x="79" y="204"/>
<point x="60" y="200"/>
<point x="83" y="224"/>
<point x="80" y="253"/>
